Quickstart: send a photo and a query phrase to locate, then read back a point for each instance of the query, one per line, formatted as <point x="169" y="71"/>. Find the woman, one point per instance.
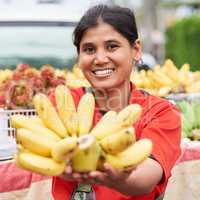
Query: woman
<point x="107" y="43"/>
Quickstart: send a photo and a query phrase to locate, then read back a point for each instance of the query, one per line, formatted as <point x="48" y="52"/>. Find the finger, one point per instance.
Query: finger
<point x="68" y="169"/>
<point x="77" y="176"/>
<point x="111" y="172"/>
<point x="66" y="177"/>
<point x="85" y="176"/>
<point x="95" y="174"/>
<point x="98" y="177"/>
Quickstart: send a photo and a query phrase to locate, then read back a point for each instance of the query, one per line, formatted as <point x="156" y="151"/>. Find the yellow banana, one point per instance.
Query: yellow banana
<point x="21" y="121"/>
<point x="162" y="78"/>
<point x="106" y="125"/>
<point x="110" y="115"/>
<point x="118" y="141"/>
<point x="37" y="143"/>
<point x="86" y="159"/>
<point x="39" y="164"/>
<point x="16" y="160"/>
<point x="64" y="149"/>
<point x="170" y="70"/>
<point x="129" y="115"/>
<point x="66" y="109"/>
<point x="164" y="91"/>
<point x="184" y="75"/>
<point x="36" y="120"/>
<point x="48" y="114"/>
<point x="132" y="156"/>
<point x="85" y="111"/>
<point x="114" y="123"/>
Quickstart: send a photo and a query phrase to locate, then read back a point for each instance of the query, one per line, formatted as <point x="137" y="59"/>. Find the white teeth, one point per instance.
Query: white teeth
<point x="103" y="72"/>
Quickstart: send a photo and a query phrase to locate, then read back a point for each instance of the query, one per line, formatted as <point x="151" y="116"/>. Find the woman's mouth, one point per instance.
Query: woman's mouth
<point x="103" y="72"/>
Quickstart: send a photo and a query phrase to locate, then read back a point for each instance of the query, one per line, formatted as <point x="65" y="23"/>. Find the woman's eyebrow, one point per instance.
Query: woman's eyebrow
<point x="86" y="44"/>
<point x="111" y="40"/>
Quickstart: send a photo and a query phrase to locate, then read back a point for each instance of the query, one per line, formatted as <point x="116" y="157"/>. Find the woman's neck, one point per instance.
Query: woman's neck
<point x="114" y="98"/>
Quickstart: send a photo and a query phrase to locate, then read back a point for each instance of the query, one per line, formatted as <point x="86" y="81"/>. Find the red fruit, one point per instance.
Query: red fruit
<point x="22" y="67"/>
<point x="2" y="101"/>
<point x="29" y="73"/>
<point x="47" y="71"/>
<point x="58" y="81"/>
<point x="19" y="94"/>
<point x="17" y="76"/>
<point x="37" y="84"/>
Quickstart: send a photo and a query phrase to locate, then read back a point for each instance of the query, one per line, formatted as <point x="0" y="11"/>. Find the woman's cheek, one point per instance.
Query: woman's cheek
<point x="85" y="62"/>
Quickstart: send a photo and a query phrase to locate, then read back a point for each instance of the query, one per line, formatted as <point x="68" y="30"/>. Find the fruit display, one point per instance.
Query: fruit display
<point x="55" y="138"/>
<point x="18" y="87"/>
<point x="190" y="116"/>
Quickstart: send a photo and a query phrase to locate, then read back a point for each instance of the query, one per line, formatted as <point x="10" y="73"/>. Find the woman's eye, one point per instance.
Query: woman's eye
<point x="112" y="47"/>
<point x="89" y="50"/>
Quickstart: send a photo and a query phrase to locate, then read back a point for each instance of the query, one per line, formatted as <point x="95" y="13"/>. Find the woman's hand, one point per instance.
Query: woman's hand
<point x="139" y="181"/>
<point x="107" y="177"/>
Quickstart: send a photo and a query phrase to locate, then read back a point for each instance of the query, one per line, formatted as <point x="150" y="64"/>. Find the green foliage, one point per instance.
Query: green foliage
<point x="183" y="42"/>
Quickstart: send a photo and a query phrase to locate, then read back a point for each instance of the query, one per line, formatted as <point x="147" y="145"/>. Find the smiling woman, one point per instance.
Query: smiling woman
<point x="36" y="43"/>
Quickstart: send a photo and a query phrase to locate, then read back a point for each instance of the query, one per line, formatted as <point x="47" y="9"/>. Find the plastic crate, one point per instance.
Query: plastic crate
<point x="7" y="133"/>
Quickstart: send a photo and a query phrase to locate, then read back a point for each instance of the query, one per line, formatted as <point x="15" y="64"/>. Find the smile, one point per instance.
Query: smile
<point x="103" y="72"/>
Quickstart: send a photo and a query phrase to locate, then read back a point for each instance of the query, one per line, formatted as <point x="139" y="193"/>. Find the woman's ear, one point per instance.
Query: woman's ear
<point x="137" y="50"/>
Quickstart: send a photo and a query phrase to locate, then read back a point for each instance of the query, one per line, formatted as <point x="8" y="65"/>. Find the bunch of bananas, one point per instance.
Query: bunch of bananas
<point x="62" y="134"/>
<point x="116" y="137"/>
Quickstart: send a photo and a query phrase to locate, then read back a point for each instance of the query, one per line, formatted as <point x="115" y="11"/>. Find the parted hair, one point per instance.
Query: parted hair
<point x="122" y="19"/>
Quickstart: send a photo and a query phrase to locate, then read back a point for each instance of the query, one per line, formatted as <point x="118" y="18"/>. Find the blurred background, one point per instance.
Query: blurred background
<point x="37" y="52"/>
<point x="38" y="32"/>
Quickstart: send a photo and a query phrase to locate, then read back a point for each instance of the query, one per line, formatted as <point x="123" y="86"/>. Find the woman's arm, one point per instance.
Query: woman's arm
<point x="143" y="179"/>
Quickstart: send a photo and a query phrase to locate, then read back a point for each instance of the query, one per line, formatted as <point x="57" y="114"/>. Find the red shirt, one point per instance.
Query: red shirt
<point x="160" y="122"/>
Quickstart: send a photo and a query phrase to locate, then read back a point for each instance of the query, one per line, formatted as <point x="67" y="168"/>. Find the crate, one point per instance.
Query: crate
<point x="7" y="133"/>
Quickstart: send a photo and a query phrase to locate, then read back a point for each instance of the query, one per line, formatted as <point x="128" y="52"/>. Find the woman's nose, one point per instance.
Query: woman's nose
<point x="100" y="58"/>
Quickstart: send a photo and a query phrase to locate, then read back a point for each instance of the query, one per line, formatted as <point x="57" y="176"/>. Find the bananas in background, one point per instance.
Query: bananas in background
<point x="5" y="74"/>
<point x="63" y="134"/>
<point x="166" y="79"/>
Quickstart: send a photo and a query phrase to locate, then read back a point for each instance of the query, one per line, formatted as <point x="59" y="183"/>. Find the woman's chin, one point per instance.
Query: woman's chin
<point x="109" y="84"/>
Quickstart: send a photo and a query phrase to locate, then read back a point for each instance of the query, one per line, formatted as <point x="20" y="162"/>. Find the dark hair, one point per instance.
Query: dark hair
<point x="120" y="18"/>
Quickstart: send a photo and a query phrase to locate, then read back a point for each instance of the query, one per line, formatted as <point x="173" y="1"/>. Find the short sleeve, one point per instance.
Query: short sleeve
<point x="164" y="130"/>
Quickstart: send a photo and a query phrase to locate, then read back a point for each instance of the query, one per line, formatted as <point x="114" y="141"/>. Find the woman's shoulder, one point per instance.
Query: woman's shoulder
<point x="151" y="102"/>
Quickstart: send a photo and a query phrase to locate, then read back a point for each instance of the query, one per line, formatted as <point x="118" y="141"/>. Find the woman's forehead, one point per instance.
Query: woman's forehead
<point x="102" y="31"/>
